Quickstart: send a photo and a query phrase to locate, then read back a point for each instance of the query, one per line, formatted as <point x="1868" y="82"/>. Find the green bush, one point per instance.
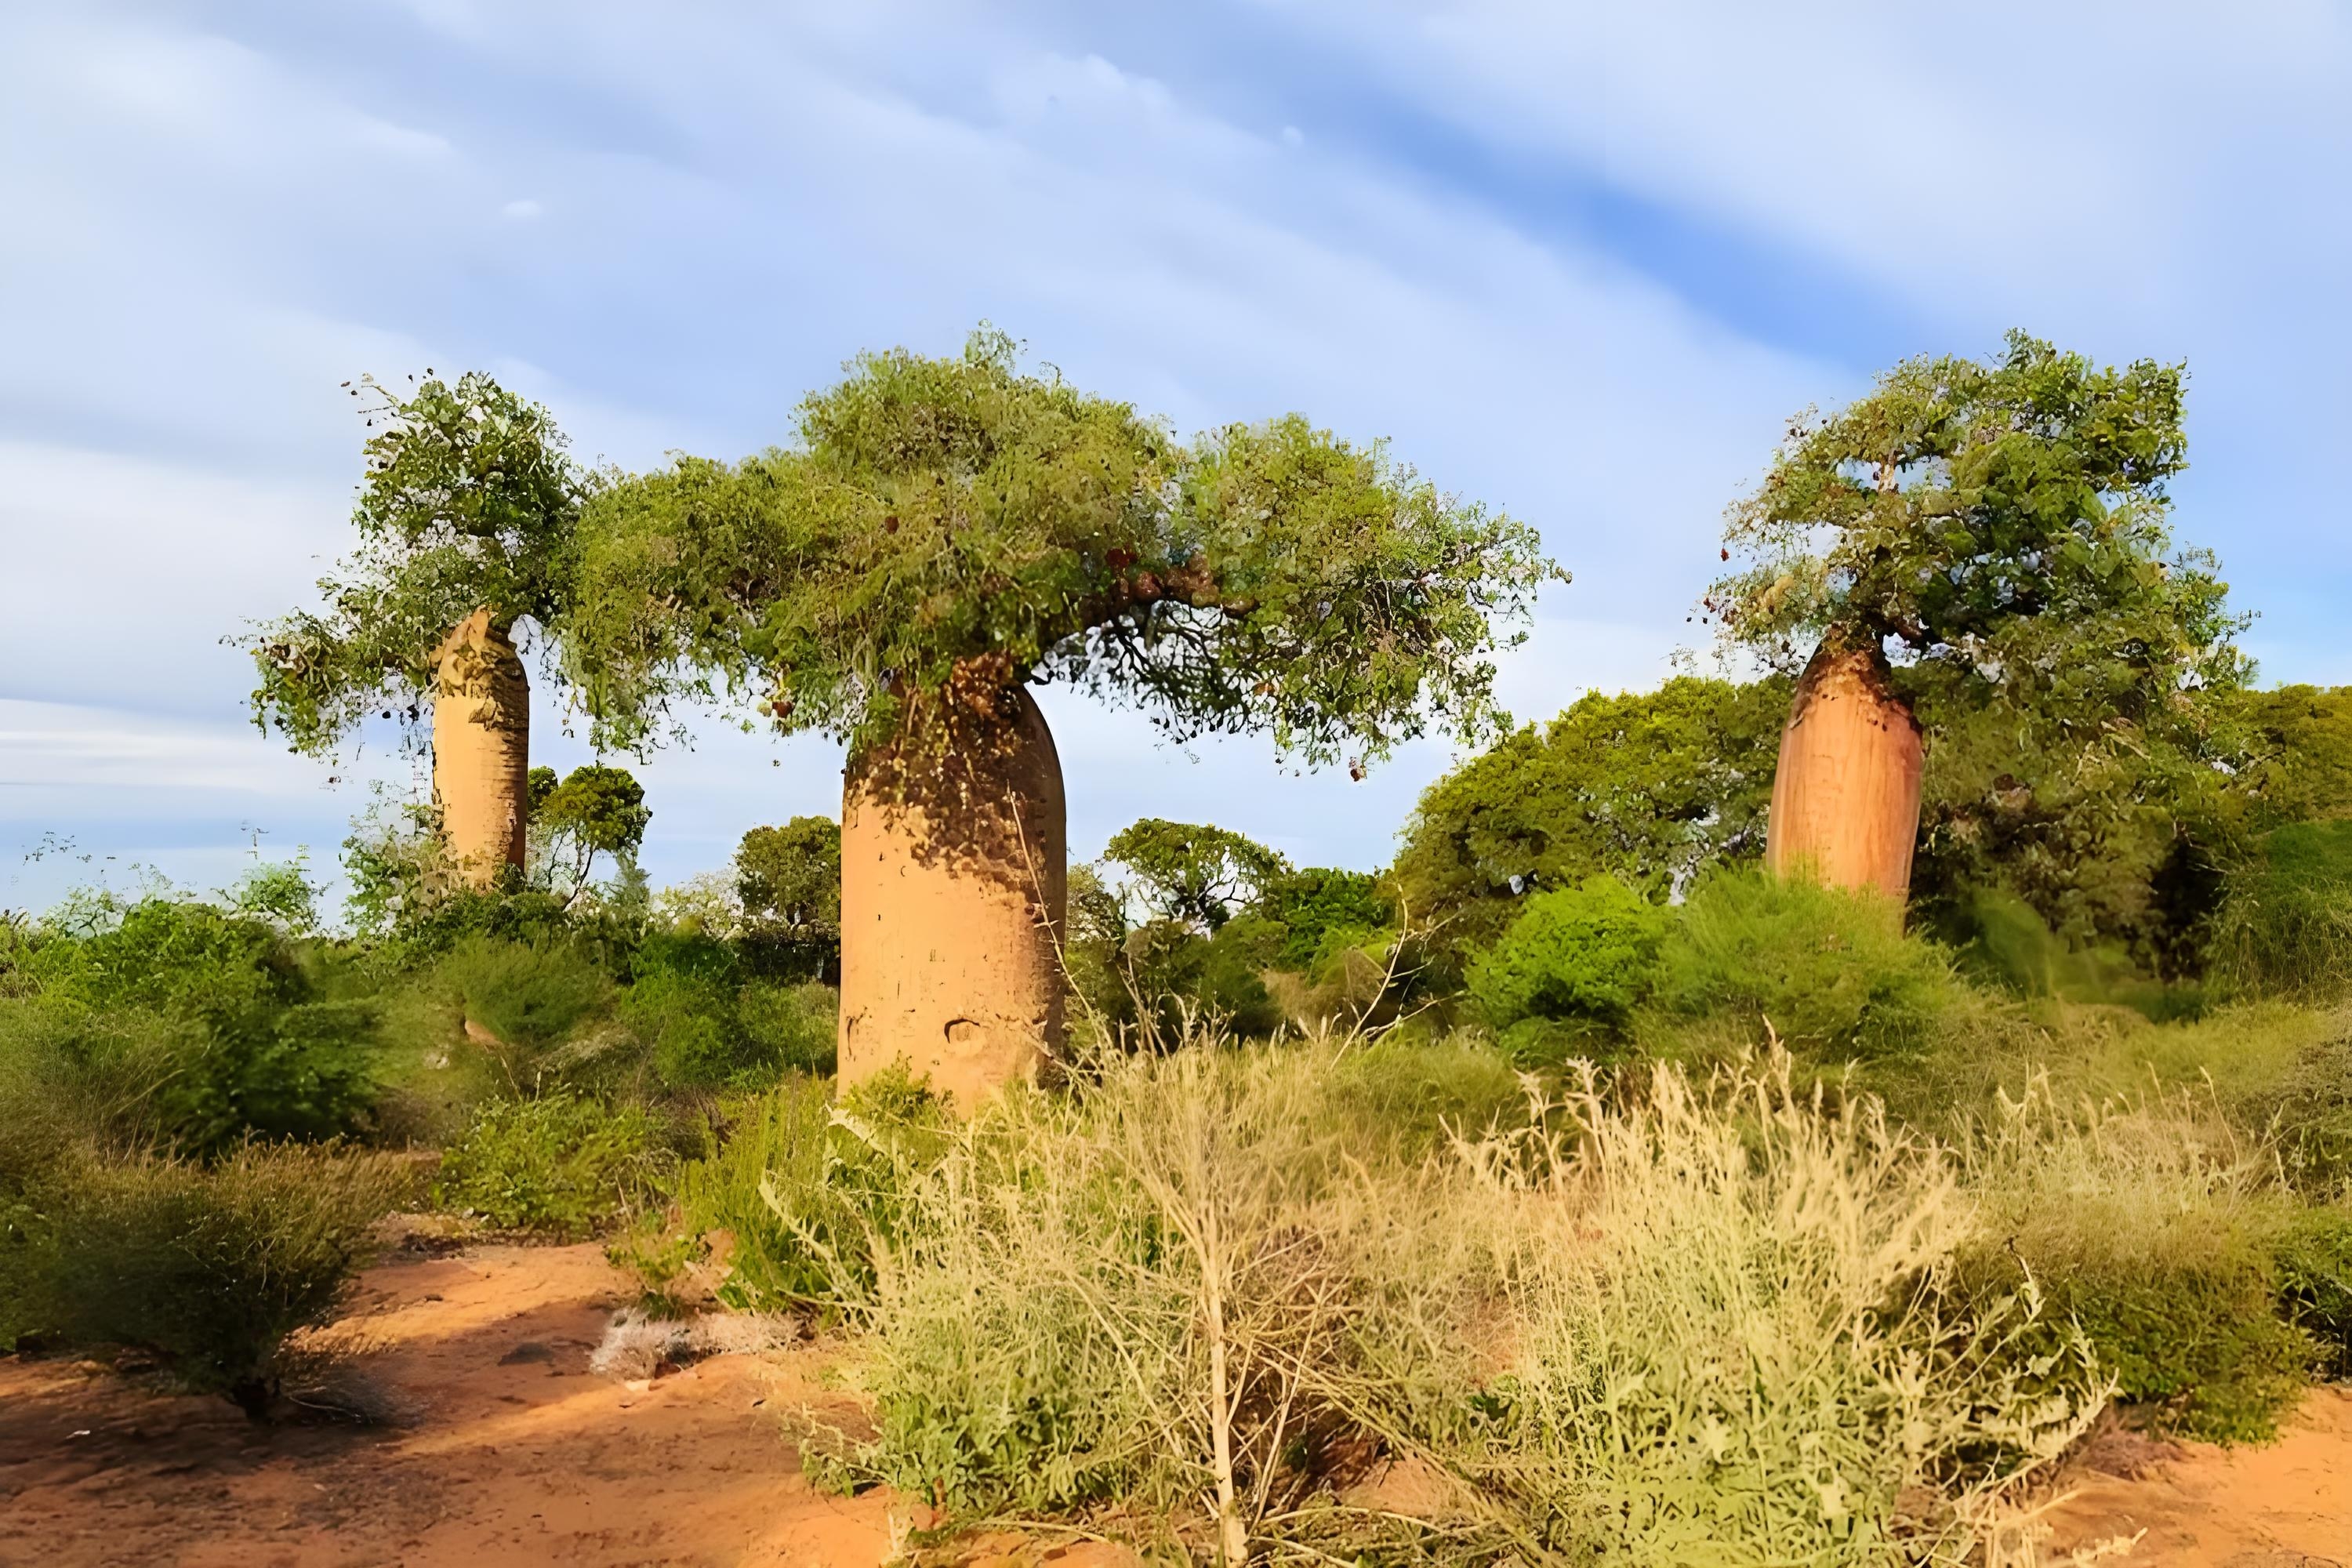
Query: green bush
<point x="198" y="1081"/>
<point x="1308" y="903"/>
<point x="803" y="1190"/>
<point x="2151" y="1223"/>
<point x="562" y="1166"/>
<point x="532" y="999"/>
<point x="711" y="1023"/>
<point x="211" y="1268"/>
<point x="2285" y="926"/>
<point x="2315" y="1280"/>
<point x="169" y="955"/>
<point x="1829" y="971"/>
<point x="1585" y="954"/>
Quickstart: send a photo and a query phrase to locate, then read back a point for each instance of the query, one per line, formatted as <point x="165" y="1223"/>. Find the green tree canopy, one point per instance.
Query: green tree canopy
<point x="2300" y="744"/>
<point x="1647" y="787"/>
<point x="470" y="502"/>
<point x="2006" y="527"/>
<point x="1196" y="874"/>
<point x="791" y="874"/>
<point x="957" y="518"/>
<point x="597" y="810"/>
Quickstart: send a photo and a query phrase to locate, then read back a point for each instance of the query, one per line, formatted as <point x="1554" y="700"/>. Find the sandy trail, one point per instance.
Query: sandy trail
<point x="2287" y="1504"/>
<point x="507" y="1449"/>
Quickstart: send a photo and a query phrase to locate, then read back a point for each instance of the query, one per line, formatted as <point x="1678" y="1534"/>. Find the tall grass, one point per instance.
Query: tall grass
<point x="2156" y="1224"/>
<point x="1682" y="1321"/>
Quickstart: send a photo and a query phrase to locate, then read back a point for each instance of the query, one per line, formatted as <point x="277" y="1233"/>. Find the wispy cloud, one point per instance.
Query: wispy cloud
<point x="1517" y="240"/>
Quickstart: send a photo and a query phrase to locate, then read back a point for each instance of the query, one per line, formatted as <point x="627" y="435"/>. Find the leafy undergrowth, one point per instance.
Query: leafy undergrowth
<point x="1670" y="1315"/>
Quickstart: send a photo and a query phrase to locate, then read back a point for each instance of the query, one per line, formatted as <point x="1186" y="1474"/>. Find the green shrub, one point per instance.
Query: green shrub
<point x="1308" y="903"/>
<point x="711" y="1024"/>
<point x="2285" y="926"/>
<point x="562" y="1165"/>
<point x="803" y="1190"/>
<point x="211" y="1268"/>
<point x="1586" y="955"/>
<point x="2315" y="1280"/>
<point x="1829" y="970"/>
<point x="531" y="999"/>
<point x="174" y="956"/>
<point x="199" y="1081"/>
<point x="2149" y="1223"/>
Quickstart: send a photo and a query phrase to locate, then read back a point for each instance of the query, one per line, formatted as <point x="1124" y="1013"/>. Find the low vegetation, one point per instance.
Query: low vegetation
<point x="1618" y="1200"/>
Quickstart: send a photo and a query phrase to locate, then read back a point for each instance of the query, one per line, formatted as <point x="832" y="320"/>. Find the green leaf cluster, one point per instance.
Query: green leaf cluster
<point x="469" y="501"/>
<point x="1194" y="874"/>
<point x="2005" y="524"/>
<point x="958" y="521"/>
<point x="1651" y="787"/>
<point x="596" y="810"/>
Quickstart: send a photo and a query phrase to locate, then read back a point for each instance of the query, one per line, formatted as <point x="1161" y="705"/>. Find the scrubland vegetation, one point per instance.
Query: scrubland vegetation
<point x="1574" y="1189"/>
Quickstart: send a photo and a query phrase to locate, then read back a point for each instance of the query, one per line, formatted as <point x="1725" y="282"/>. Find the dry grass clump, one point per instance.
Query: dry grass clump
<point x="1687" y="1322"/>
<point x="2156" y="1225"/>
<point x="1731" y="1334"/>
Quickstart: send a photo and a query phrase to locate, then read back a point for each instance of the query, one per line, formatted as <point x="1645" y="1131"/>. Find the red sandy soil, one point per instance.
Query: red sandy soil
<point x="503" y="1447"/>
<point x="2286" y="1504"/>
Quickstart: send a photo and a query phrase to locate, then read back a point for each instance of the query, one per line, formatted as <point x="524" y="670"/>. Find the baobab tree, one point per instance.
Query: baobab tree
<point x="465" y="519"/>
<point x="2003" y="530"/>
<point x="945" y="533"/>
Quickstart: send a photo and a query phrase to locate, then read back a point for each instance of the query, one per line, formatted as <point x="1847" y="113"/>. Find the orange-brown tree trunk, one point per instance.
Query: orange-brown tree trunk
<point x="481" y="749"/>
<point x="1845" y="795"/>
<point x="954" y="875"/>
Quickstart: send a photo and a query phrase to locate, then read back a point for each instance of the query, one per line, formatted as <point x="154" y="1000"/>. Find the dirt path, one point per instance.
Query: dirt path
<point x="2286" y="1505"/>
<point x="507" y="1449"/>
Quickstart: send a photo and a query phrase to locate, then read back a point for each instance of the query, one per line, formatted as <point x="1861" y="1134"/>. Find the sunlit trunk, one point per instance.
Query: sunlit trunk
<point x="481" y="749"/>
<point x="1845" y="795"/>
<point x="953" y="884"/>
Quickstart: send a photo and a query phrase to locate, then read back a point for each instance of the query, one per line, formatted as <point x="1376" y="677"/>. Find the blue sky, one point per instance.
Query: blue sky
<point x="1578" y="261"/>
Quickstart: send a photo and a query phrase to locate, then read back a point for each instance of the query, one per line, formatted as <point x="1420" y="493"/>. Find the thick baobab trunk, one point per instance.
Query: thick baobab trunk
<point x="953" y="884"/>
<point x="481" y="749"/>
<point x="1845" y="795"/>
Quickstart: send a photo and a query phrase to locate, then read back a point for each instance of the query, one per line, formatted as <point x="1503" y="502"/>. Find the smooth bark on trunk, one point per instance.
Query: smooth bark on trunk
<point x="954" y="877"/>
<point x="1845" y="794"/>
<point x="481" y="749"/>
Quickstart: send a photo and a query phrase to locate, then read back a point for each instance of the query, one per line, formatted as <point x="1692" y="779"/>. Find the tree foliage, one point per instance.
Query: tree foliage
<point x="1195" y="874"/>
<point x="469" y="501"/>
<point x="2003" y="529"/>
<point x="2006" y="526"/>
<point x="957" y="518"/>
<point x="597" y="810"/>
<point x="2300" y="744"/>
<point x="788" y="880"/>
<point x="1647" y="787"/>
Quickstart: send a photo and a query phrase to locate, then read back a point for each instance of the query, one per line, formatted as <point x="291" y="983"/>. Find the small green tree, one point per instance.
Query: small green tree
<point x="1650" y="787"/>
<point x="1195" y="874"/>
<point x="2004" y="527"/>
<point x="789" y="881"/>
<point x="465" y="521"/>
<point x="597" y="810"/>
<point x="948" y="531"/>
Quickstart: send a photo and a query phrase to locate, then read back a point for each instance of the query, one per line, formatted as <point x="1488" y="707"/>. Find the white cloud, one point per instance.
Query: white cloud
<point x="725" y="202"/>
